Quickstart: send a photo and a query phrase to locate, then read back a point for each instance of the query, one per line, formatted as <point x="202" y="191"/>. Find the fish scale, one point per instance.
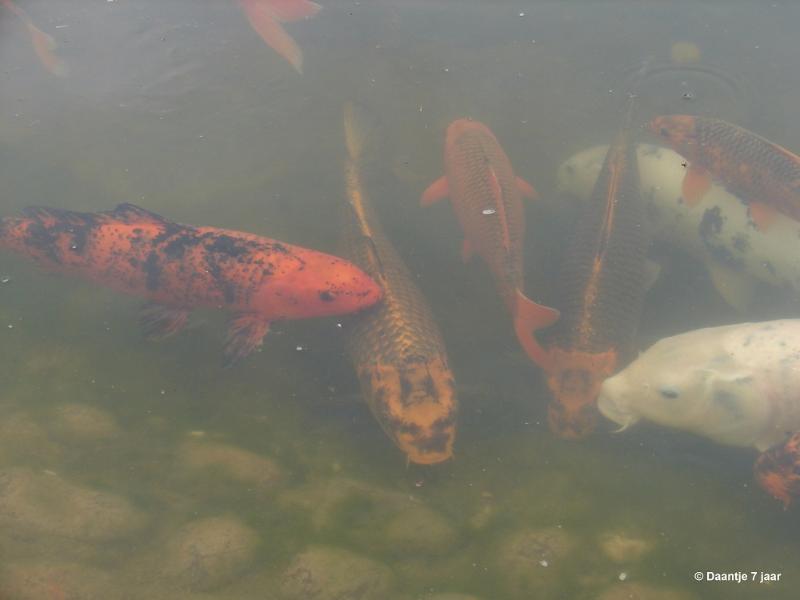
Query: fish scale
<point x="749" y="166"/>
<point x="498" y="235"/>
<point x="396" y="347"/>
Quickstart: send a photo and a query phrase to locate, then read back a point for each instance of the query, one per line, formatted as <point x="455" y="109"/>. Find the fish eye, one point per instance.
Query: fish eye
<point x="664" y="132"/>
<point x="669" y="392"/>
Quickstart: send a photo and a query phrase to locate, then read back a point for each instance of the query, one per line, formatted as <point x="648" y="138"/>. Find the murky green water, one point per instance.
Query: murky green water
<point x="139" y="470"/>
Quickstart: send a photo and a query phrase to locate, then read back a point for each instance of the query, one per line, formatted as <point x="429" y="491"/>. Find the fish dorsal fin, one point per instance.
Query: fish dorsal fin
<point x="130" y="213"/>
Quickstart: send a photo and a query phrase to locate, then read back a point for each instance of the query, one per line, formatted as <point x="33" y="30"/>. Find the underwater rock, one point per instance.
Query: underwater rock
<point x="450" y="597"/>
<point x="23" y="440"/>
<point x="622" y="547"/>
<point x="419" y="530"/>
<point x="45" y="503"/>
<point x="639" y="591"/>
<point x="325" y="573"/>
<point x="54" y="581"/>
<point x="82" y="422"/>
<point x="233" y="463"/>
<point x="528" y="561"/>
<point x="208" y="553"/>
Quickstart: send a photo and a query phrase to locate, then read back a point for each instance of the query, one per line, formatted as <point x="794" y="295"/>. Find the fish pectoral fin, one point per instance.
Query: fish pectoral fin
<point x="529" y="317"/>
<point x="762" y="215"/>
<point x="695" y="185"/>
<point x="467" y="251"/>
<point x="246" y="332"/>
<point x="526" y="189"/>
<point x="436" y="191"/>
<point x="736" y="289"/>
<point x="160" y="322"/>
<point x="130" y="213"/>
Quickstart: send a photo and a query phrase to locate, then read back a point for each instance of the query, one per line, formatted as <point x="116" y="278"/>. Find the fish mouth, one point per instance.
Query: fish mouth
<point x="613" y="412"/>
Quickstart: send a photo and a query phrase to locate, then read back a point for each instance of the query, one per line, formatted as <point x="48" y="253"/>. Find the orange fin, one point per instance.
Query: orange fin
<point x="246" y="331"/>
<point x="160" y="322"/>
<point x="467" y="251"/>
<point x="287" y="11"/>
<point x="762" y="215"/>
<point x="266" y="24"/>
<point x="529" y="317"/>
<point x="695" y="185"/>
<point x="526" y="189"/>
<point x="436" y="191"/>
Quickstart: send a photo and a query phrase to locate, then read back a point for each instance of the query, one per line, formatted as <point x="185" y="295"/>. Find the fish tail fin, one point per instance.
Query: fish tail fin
<point x="358" y="124"/>
<point x="529" y="317"/>
<point x="267" y="25"/>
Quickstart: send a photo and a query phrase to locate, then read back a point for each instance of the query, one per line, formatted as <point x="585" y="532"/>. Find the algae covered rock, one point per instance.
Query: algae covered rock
<point x="232" y="463"/>
<point x="82" y="422"/>
<point x="325" y="573"/>
<point x="208" y="553"/>
<point x="56" y="580"/>
<point x="639" y="591"/>
<point x="528" y="561"/>
<point x="418" y="529"/>
<point x="624" y="547"/>
<point x="45" y="503"/>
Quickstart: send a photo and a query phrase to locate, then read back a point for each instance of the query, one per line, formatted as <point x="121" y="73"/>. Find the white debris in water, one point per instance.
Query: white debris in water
<point x="488" y="211"/>
<point x="299" y="348"/>
<point x="522" y="14"/>
<point x="544" y="563"/>
<point x="5" y="279"/>
<point x="622" y="576"/>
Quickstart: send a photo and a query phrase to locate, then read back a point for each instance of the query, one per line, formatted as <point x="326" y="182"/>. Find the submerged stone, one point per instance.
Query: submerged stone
<point x="236" y="464"/>
<point x="56" y="581"/>
<point x="325" y="573"/>
<point x="622" y="547"/>
<point x="45" y="503"/>
<point x="640" y="591"/>
<point x="208" y="553"/>
<point x="82" y="422"/>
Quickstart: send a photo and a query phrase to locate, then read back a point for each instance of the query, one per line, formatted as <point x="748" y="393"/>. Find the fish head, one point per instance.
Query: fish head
<point x="461" y="127"/>
<point x="318" y="285"/>
<point x="416" y="405"/>
<point x="574" y="379"/>
<point x="686" y="382"/>
<point x="679" y="131"/>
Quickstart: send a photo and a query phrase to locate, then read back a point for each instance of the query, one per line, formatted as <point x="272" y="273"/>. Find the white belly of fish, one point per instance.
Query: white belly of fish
<point x="737" y="385"/>
<point x="718" y="231"/>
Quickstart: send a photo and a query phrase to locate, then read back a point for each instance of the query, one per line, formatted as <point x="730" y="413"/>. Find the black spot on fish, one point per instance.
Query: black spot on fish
<point x="405" y="387"/>
<point x="41" y="238"/>
<point x="176" y="247"/>
<point x="326" y="296"/>
<point x="669" y="392"/>
<point x="228" y="245"/>
<point x="279" y="248"/>
<point x="741" y="242"/>
<point x="227" y="288"/>
<point x="729" y="402"/>
<point x="710" y="224"/>
<point x="152" y="270"/>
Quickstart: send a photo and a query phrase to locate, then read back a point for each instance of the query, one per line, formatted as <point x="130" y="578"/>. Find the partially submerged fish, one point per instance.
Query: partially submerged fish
<point x="602" y="288"/>
<point x="720" y="235"/>
<point x="764" y="175"/>
<point x="396" y="347"/>
<point x="266" y="16"/>
<point x="43" y="43"/>
<point x="485" y="195"/>
<point x="736" y="385"/>
<point x="180" y="267"/>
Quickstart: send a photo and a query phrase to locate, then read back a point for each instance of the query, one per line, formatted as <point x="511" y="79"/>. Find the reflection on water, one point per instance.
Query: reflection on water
<point x="138" y="470"/>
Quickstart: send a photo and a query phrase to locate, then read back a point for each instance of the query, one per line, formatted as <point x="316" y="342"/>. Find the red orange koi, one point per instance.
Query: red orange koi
<point x="43" y="43"/>
<point x="180" y="267"/>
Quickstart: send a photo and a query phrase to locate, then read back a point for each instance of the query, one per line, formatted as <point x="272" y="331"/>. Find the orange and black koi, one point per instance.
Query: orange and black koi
<point x="179" y="267"/>
<point x="602" y="287"/>
<point x="764" y="175"/>
<point x="396" y="347"/>
<point x="43" y="43"/>
<point x="778" y="471"/>
<point x="485" y="195"/>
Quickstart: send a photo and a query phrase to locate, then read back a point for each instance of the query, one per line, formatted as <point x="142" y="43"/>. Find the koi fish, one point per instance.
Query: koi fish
<point x="778" y="471"/>
<point x="737" y="256"/>
<point x="396" y="347"/>
<point x="485" y="195"/>
<point x="179" y="267"/>
<point x="764" y="175"/>
<point x="43" y="43"/>
<point x="736" y="385"/>
<point x="603" y="284"/>
<point x="266" y="16"/>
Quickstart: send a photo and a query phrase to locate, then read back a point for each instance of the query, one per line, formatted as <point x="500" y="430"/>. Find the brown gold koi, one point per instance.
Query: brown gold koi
<point x="764" y="175"/>
<point x="602" y="285"/>
<point x="396" y="347"/>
